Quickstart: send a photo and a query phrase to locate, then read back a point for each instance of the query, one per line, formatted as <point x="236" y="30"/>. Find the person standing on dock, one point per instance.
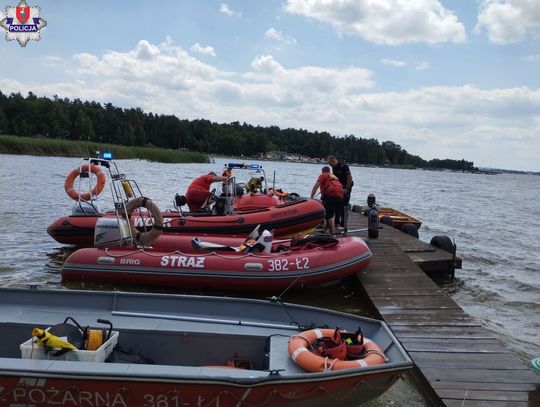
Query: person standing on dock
<point x="199" y="190"/>
<point x="343" y="173"/>
<point x="331" y="194"/>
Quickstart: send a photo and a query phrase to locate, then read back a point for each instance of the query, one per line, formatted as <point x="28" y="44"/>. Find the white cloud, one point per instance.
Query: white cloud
<point x="390" y="22"/>
<point x="224" y="9"/>
<point x="509" y="21"/>
<point x="393" y="62"/>
<point x="267" y="65"/>
<point x="458" y="122"/>
<point x="277" y="35"/>
<point x="418" y="65"/>
<point x="532" y="58"/>
<point x="421" y="66"/>
<point x="52" y="60"/>
<point x="85" y="59"/>
<point x="199" y="49"/>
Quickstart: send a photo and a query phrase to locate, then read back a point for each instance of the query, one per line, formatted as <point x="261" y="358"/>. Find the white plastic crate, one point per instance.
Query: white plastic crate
<point x="31" y="350"/>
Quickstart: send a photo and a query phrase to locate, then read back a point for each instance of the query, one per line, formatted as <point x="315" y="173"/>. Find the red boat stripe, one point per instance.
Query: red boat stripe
<point x="217" y="273"/>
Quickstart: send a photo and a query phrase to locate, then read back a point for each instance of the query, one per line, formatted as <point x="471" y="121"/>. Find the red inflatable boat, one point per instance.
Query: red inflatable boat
<point x="286" y="219"/>
<point x="215" y="264"/>
<point x="231" y="213"/>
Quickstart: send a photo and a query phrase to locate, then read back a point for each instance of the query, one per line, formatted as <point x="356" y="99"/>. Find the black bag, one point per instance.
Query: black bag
<point x="119" y="355"/>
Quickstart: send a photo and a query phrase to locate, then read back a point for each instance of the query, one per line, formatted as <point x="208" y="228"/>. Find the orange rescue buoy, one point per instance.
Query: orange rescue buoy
<point x="85" y="196"/>
<point x="310" y="361"/>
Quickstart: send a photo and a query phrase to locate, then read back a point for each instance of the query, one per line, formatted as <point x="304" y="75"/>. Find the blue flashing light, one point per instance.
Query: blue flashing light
<point x="245" y="166"/>
<point x="107" y="156"/>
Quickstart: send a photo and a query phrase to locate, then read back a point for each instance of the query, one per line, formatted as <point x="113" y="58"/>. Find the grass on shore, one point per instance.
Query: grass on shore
<point x="66" y="148"/>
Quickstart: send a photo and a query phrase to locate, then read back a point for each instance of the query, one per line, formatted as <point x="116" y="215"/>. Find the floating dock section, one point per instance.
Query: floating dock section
<point x="461" y="363"/>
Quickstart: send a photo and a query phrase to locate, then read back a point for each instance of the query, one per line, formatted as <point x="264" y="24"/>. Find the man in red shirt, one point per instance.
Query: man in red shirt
<point x="199" y="190"/>
<point x="331" y="194"/>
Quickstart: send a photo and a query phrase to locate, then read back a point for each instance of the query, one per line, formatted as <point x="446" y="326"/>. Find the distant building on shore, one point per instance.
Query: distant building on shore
<point x="285" y="156"/>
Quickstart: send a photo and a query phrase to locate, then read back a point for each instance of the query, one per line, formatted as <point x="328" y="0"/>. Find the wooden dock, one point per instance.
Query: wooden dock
<point x="461" y="363"/>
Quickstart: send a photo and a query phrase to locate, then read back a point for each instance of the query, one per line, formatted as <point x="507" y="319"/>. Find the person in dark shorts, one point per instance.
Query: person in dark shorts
<point x="331" y="194"/>
<point x="343" y="173"/>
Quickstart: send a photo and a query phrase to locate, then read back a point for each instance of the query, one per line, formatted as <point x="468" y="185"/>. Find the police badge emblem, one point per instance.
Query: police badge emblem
<point x="23" y="14"/>
<point x="23" y="23"/>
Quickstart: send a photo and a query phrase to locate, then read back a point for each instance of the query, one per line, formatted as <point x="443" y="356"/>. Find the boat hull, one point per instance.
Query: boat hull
<point x="399" y="218"/>
<point x="188" y="338"/>
<point x="286" y="219"/>
<point x="173" y="263"/>
<point x="46" y="390"/>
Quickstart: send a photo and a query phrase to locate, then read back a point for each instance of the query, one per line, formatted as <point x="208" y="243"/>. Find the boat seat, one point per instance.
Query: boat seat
<point x="279" y="357"/>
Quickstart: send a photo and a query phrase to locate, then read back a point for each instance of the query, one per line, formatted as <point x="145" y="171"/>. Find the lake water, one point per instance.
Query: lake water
<point x="494" y="220"/>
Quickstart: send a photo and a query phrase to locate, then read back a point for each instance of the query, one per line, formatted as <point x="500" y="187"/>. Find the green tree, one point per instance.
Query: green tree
<point x="83" y="128"/>
<point x="4" y="124"/>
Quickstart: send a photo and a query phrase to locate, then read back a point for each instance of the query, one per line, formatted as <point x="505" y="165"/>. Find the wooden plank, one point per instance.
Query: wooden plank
<point x="487" y="375"/>
<point x="403" y="292"/>
<point x="437" y="324"/>
<point x="432" y="313"/>
<point x="452" y="345"/>
<point x="529" y="388"/>
<point x="490" y="403"/>
<point x="492" y="395"/>
<point x="441" y="332"/>
<point x="402" y="318"/>
<point x="413" y="302"/>
<point x="467" y="360"/>
<point x="394" y="275"/>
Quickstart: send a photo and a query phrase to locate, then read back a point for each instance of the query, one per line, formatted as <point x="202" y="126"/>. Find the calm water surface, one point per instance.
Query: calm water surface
<point x="493" y="219"/>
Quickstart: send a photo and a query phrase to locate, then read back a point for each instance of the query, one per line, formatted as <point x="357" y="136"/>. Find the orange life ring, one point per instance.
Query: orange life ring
<point x="85" y="196"/>
<point x="302" y="356"/>
<point x="146" y="238"/>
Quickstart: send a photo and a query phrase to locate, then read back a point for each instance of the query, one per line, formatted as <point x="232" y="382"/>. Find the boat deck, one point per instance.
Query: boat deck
<point x="181" y="327"/>
<point x="462" y="363"/>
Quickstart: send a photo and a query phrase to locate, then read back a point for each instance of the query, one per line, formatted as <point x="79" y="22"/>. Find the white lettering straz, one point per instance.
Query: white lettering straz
<point x="183" y="261"/>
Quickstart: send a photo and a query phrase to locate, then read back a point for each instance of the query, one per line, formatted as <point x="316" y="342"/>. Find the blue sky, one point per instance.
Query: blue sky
<point x="442" y="78"/>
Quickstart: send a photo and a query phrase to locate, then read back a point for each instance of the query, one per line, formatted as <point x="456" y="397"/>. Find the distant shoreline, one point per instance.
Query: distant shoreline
<point x="42" y="146"/>
<point x="482" y="171"/>
<point x="64" y="148"/>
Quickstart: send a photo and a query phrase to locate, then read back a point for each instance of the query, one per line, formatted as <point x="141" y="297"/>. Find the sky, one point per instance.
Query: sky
<point x="453" y="79"/>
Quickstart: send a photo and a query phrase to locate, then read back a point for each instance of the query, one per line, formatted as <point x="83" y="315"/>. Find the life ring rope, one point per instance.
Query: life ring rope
<point x="85" y="196"/>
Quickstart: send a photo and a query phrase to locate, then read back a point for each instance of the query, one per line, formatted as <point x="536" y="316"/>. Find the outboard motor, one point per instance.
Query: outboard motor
<point x="83" y="208"/>
<point x="239" y="189"/>
<point x="112" y="232"/>
<point x="373" y="217"/>
<point x="179" y="201"/>
<point x="219" y="207"/>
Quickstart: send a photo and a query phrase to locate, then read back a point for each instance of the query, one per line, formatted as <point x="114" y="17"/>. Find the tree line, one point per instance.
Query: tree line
<point x="62" y="118"/>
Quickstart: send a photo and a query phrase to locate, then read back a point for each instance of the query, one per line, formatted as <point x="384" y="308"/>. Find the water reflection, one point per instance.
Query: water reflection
<point x="57" y="256"/>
